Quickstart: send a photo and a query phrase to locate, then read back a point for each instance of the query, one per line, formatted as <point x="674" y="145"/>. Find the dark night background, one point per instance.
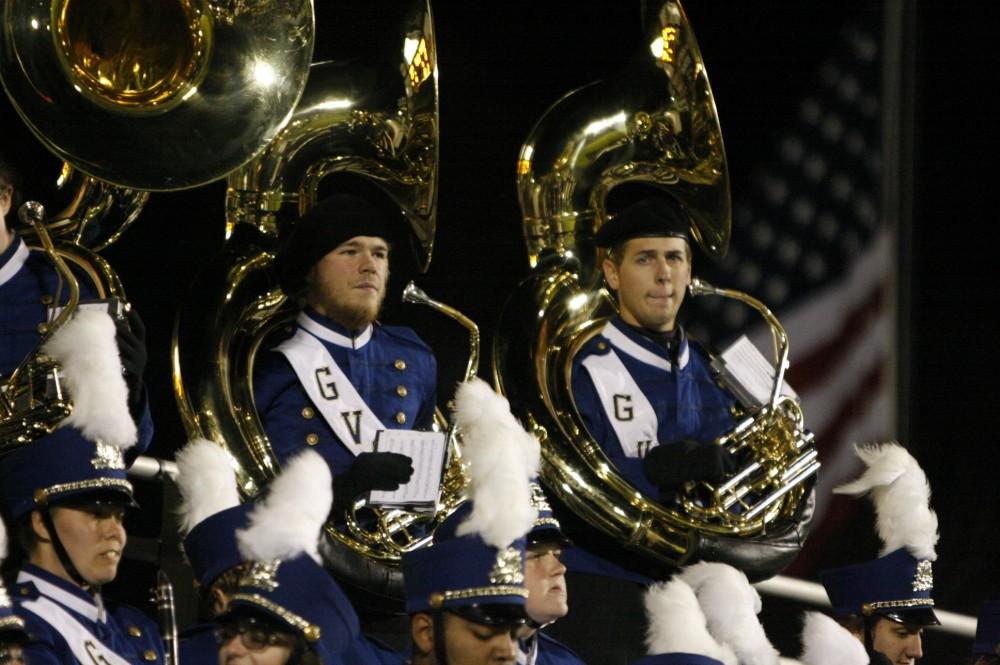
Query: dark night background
<point x="501" y="66"/>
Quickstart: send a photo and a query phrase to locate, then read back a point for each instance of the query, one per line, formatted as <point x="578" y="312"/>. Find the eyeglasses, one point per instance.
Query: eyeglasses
<point x="254" y="635"/>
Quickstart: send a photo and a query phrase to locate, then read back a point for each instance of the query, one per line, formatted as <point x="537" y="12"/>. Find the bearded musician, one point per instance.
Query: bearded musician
<point x="342" y="376"/>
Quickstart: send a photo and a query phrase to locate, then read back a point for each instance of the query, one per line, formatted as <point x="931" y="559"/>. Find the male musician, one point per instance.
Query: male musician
<point x="30" y="288"/>
<point x="647" y="395"/>
<point x="886" y="602"/>
<point x="645" y="391"/>
<point x="545" y="580"/>
<point x="65" y="498"/>
<point x="342" y="377"/>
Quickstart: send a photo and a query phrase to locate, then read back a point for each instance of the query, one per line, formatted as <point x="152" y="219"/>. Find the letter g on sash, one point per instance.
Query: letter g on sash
<point x="328" y="389"/>
<point x="623" y="408"/>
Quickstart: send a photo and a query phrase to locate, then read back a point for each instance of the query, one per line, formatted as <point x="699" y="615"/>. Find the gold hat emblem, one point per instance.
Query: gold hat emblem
<point x="263" y="574"/>
<point x="924" y="578"/>
<point x="508" y="568"/>
<point x="107" y="456"/>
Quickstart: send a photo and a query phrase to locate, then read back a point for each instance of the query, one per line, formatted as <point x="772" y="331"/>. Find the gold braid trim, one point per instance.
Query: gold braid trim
<point x="439" y="598"/>
<point x="548" y="521"/>
<point x="310" y="630"/>
<point x="42" y="496"/>
<point x="869" y="608"/>
<point x="11" y="623"/>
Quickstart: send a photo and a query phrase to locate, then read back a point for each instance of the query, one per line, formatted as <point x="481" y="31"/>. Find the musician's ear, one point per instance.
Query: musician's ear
<point x="218" y="601"/>
<point x="422" y="633"/>
<point x="38" y="528"/>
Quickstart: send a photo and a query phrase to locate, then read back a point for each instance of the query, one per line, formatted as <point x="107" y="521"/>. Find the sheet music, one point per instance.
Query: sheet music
<point x="427" y="450"/>
<point x="748" y="374"/>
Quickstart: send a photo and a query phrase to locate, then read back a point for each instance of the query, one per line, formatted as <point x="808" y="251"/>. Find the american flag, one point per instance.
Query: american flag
<point x="809" y="240"/>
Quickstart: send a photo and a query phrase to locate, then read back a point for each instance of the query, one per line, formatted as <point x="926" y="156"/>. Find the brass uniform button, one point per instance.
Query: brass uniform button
<point x="149" y="654"/>
<point x="312" y="632"/>
<point x="601" y="346"/>
<point x="43" y="328"/>
<point x="308" y="413"/>
<point x="46" y="299"/>
<point x="400" y="417"/>
<point x="24" y="591"/>
<point x="312" y="439"/>
<point x="400" y="364"/>
<point x="401" y="391"/>
<point x="135" y="631"/>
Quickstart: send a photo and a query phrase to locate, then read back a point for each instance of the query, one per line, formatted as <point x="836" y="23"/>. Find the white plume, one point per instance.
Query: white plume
<point x="207" y="482"/>
<point x="501" y="460"/>
<point x="901" y="495"/>
<point x="677" y="624"/>
<point x="87" y="352"/>
<point x="731" y="606"/>
<point x="826" y="642"/>
<point x="289" y="519"/>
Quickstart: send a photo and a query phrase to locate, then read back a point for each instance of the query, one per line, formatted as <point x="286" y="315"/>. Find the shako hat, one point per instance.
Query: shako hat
<point x="475" y="565"/>
<point x="286" y="582"/>
<point x="899" y="583"/>
<point x="210" y="511"/>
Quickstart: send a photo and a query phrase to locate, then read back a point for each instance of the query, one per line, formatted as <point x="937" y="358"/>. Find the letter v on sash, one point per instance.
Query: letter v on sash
<point x="347" y="414"/>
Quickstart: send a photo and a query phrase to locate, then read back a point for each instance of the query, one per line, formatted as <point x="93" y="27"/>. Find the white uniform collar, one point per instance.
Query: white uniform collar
<point x="16" y="260"/>
<point x="65" y="593"/>
<point x="632" y="344"/>
<point x="308" y="321"/>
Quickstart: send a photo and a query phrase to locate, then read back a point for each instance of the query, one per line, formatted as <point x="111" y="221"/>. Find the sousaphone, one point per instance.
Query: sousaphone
<point x="376" y="119"/>
<point x="656" y="126"/>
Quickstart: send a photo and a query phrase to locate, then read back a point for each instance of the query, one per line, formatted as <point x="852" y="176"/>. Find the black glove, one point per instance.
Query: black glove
<point x="670" y="465"/>
<point x="131" y="338"/>
<point x="370" y="471"/>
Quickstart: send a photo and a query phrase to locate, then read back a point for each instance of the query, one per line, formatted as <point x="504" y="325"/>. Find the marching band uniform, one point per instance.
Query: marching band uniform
<point x="384" y="371"/>
<point x="70" y="623"/>
<point x="29" y="285"/>
<point x="332" y="388"/>
<point x="634" y="394"/>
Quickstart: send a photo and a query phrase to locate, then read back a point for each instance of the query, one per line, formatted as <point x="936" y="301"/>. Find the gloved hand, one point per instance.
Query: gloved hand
<point x="670" y="465"/>
<point x="131" y="338"/>
<point x="370" y="471"/>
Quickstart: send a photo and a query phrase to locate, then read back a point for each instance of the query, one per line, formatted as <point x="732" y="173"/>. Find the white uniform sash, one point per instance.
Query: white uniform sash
<point x="86" y="648"/>
<point x="331" y="392"/>
<point x="629" y="412"/>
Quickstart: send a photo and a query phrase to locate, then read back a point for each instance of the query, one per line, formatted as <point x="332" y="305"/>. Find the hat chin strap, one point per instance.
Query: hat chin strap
<point x="439" y="651"/>
<point x="64" y="559"/>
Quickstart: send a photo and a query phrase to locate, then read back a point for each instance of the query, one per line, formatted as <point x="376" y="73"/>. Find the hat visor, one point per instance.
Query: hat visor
<point x="917" y="616"/>
<point x="548" y="536"/>
<point x="492" y="614"/>
<point x="104" y="496"/>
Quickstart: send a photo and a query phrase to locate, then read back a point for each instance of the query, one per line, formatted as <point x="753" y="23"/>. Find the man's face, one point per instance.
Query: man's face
<point x="11" y="654"/>
<point x="470" y="643"/>
<point x="94" y="538"/>
<point x="901" y="643"/>
<point x="650" y="280"/>
<point x="545" y="579"/>
<point x="348" y="284"/>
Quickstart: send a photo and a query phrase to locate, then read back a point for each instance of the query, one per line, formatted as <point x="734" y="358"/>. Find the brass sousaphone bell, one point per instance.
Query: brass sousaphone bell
<point x="137" y="96"/>
<point x="654" y="126"/>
